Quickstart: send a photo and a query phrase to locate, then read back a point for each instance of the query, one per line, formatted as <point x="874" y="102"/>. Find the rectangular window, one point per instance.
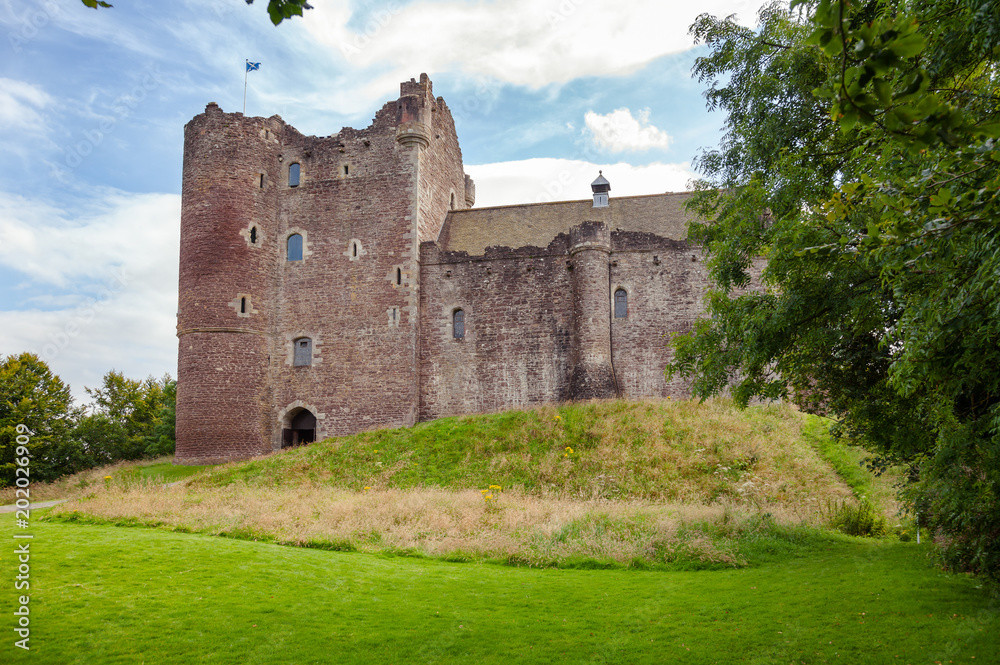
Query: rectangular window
<point x="303" y="352"/>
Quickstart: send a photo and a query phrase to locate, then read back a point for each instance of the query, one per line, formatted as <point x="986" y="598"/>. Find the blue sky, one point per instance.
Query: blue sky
<point x="93" y="106"/>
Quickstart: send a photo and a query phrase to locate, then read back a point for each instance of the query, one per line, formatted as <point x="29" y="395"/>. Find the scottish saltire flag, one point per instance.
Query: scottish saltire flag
<point x="252" y="66"/>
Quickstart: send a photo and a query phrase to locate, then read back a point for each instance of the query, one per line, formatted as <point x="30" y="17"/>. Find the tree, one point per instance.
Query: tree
<point x="278" y="10"/>
<point x="128" y="418"/>
<point x="32" y="396"/>
<point x="162" y="438"/>
<point x="860" y="160"/>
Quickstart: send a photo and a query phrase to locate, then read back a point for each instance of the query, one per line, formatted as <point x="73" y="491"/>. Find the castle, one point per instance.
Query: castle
<point x="330" y="285"/>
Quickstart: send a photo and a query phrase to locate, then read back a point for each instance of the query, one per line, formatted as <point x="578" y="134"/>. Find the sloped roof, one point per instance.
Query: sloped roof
<point x="536" y="224"/>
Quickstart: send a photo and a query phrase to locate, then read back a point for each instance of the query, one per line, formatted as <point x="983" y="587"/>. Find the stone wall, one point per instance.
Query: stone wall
<point x="518" y="329"/>
<point x="540" y="323"/>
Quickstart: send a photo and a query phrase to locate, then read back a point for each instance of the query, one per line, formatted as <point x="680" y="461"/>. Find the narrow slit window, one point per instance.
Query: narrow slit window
<point x="621" y="304"/>
<point x="293" y="175"/>
<point x="253" y="235"/>
<point x="262" y="181"/>
<point x="295" y="247"/>
<point x="303" y="352"/>
<point x="346" y="169"/>
<point x="243" y="305"/>
<point x="399" y="276"/>
<point x="453" y="200"/>
<point x="354" y="249"/>
<point x="458" y="324"/>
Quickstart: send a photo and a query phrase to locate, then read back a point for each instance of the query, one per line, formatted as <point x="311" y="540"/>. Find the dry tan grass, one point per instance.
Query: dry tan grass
<point x="643" y="480"/>
<point x="76" y="485"/>
<point x="510" y="526"/>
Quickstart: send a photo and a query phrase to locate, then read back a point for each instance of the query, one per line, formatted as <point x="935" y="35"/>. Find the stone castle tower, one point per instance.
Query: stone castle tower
<point x="330" y="285"/>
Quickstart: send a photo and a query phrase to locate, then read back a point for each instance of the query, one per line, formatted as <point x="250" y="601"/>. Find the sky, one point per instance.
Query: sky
<point x="93" y="105"/>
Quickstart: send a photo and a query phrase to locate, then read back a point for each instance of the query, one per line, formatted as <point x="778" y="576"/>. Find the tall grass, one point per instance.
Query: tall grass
<point x="656" y="483"/>
<point x="677" y="451"/>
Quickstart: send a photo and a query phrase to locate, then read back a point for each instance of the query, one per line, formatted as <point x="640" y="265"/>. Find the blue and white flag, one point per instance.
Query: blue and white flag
<point x="252" y="66"/>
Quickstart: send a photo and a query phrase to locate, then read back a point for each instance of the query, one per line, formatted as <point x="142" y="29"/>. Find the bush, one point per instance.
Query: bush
<point x="858" y="519"/>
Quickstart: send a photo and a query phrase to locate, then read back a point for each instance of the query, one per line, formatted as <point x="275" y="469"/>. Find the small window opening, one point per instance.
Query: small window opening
<point x="621" y="304"/>
<point x="354" y="249"/>
<point x="262" y="181"/>
<point x="458" y="324"/>
<point x="399" y="276"/>
<point x="295" y="247"/>
<point x="243" y="305"/>
<point x="303" y="352"/>
<point x="293" y="175"/>
<point x="453" y="200"/>
<point x="253" y="235"/>
<point x="346" y="169"/>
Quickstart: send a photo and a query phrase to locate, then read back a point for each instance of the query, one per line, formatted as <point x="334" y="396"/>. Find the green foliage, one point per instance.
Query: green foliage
<point x="278" y="10"/>
<point x="860" y="160"/>
<point x="131" y="419"/>
<point x="32" y="396"/>
<point x="858" y="519"/>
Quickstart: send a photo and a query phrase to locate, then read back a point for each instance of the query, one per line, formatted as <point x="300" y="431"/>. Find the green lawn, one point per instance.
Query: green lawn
<point x="167" y="472"/>
<point x="104" y="594"/>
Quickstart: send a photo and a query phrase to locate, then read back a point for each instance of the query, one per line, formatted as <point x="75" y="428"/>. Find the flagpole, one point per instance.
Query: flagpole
<point x="245" y="74"/>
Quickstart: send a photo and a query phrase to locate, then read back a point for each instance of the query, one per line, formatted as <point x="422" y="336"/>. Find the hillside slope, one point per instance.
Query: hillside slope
<point x="649" y="484"/>
<point x="682" y="451"/>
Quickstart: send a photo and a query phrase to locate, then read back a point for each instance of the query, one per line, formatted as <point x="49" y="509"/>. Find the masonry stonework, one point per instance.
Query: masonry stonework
<point x="391" y="249"/>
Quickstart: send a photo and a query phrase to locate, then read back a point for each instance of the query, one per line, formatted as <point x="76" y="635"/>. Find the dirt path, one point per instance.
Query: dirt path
<point x="35" y="505"/>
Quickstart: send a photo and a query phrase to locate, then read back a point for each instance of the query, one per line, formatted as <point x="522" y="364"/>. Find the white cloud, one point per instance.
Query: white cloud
<point x="20" y="106"/>
<point x="109" y="281"/>
<point x="618" y="131"/>
<point x="525" y="42"/>
<point x="544" y="179"/>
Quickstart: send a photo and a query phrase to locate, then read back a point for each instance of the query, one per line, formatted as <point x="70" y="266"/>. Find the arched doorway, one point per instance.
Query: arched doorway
<point x="299" y="428"/>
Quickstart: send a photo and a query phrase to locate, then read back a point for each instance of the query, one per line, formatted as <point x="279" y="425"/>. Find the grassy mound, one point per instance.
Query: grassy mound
<point x="679" y="451"/>
<point x="605" y="484"/>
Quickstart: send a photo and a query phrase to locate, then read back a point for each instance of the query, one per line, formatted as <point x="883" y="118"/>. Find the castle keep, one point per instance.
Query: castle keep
<point x="330" y="285"/>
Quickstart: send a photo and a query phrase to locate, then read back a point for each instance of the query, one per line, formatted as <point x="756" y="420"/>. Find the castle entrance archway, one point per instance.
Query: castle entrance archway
<point x="299" y="428"/>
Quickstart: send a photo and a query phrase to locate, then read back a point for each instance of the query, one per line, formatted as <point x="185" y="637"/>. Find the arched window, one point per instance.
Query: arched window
<point x="458" y="324"/>
<point x="243" y="305"/>
<point x="293" y="175"/>
<point x="621" y="304"/>
<point x="295" y="247"/>
<point x="399" y="276"/>
<point x="303" y="352"/>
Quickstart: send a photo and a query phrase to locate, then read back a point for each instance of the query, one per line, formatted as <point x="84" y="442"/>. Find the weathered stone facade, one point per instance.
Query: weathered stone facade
<point x="322" y="280"/>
